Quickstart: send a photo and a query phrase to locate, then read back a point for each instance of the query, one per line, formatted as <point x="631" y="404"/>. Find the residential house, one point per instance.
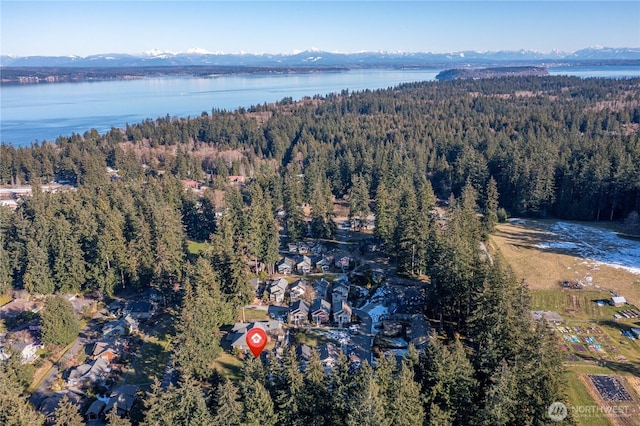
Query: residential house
<point x="320" y="311"/>
<point x="298" y="290"/>
<point x="49" y="405"/>
<point x="342" y="261"/>
<point x="303" y="264"/>
<point x="304" y="354"/>
<point x="286" y="266"/>
<point x="86" y="375"/>
<point x="107" y="349"/>
<point x="303" y="248"/>
<point x="277" y="290"/>
<point x="17" y="307"/>
<point x="299" y="312"/>
<point x="237" y="179"/>
<point x="342" y="313"/>
<point x="140" y="309"/>
<point x="323" y="264"/>
<point x="95" y="410"/>
<point x="124" y="396"/>
<point x="293" y="248"/>
<point x="341" y="288"/>
<point x="238" y="334"/>
<point x="27" y="352"/>
<point x="328" y="356"/>
<point x="321" y="288"/>
<point x="131" y="324"/>
<point x="114" y="328"/>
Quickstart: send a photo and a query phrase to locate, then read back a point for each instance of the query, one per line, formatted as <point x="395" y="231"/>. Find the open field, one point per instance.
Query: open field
<point x="545" y="253"/>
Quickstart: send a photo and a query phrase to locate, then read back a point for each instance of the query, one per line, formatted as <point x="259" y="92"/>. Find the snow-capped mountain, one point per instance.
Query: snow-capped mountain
<point x="317" y="58"/>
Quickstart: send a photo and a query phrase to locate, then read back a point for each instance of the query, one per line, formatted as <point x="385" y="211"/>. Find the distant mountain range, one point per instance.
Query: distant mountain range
<point x="318" y="59"/>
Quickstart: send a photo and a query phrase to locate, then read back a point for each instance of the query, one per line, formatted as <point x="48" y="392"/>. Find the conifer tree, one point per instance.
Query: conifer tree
<point x="59" y="323"/>
<point x="405" y="403"/>
<point x="365" y="407"/>
<point x="67" y="414"/>
<point x="37" y="276"/>
<point x="203" y="312"/>
<point x="113" y="419"/>
<point x="229" y="408"/>
<point x="15" y="409"/>
<point x="314" y="395"/>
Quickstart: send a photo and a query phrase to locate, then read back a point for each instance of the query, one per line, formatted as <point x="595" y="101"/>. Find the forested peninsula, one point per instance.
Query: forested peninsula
<point x="436" y="164"/>
<point x="465" y="73"/>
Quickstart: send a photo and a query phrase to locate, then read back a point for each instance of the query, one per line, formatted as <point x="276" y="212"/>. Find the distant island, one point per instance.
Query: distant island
<point x="465" y="74"/>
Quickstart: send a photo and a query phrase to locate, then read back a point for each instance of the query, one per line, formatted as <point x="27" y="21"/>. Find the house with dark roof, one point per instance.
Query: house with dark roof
<point x="278" y="290"/>
<point x="303" y="264"/>
<point x="238" y="334"/>
<point x="299" y="312"/>
<point x="94" y="412"/>
<point x="17" y="307"/>
<point x="140" y="309"/>
<point x="286" y="266"/>
<point x="321" y="288"/>
<point x="124" y="396"/>
<point x="329" y="353"/>
<point x="298" y="290"/>
<point x="342" y="313"/>
<point x="320" y="311"/>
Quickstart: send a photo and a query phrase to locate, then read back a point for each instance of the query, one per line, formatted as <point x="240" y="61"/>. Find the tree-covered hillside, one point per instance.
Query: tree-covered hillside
<point x="538" y="146"/>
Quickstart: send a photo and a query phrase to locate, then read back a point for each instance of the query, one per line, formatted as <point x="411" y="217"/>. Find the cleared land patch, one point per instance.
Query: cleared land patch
<point x="545" y="253"/>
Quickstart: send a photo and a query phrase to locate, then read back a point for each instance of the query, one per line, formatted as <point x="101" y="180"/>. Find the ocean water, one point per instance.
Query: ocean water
<point x="46" y="111"/>
<point x="39" y="112"/>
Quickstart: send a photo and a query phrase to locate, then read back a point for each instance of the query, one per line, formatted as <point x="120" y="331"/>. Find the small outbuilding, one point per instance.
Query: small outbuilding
<point x="618" y="301"/>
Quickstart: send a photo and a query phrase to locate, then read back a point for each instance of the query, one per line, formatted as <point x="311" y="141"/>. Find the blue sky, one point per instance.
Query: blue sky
<point x="89" y="27"/>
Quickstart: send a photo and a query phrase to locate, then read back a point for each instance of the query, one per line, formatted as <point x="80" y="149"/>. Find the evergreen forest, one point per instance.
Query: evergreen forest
<point x="481" y="150"/>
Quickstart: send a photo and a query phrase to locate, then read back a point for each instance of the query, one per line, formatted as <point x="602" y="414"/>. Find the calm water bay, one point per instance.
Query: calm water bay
<point x="46" y="111"/>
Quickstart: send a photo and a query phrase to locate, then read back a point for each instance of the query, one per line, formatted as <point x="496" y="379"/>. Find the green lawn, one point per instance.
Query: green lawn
<point x="253" y="315"/>
<point x="229" y="366"/>
<point x="309" y="338"/>
<point x="194" y="248"/>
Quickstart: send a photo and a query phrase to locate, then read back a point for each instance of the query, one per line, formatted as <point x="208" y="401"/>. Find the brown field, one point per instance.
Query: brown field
<point x="545" y="269"/>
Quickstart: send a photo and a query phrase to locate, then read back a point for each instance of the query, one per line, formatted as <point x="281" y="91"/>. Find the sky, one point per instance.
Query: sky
<point x="55" y="28"/>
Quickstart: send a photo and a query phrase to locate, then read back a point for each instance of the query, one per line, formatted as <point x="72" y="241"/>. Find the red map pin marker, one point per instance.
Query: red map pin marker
<point x="256" y="340"/>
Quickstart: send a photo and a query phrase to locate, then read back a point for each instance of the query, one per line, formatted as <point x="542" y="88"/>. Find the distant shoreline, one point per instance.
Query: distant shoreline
<point x="49" y="75"/>
<point x="11" y="76"/>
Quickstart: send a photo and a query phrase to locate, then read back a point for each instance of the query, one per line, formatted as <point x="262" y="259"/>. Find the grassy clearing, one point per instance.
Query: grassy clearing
<point x="194" y="248"/>
<point x="253" y="315"/>
<point x="309" y="338"/>
<point x="4" y="299"/>
<point x="229" y="366"/>
<point x="545" y="269"/>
